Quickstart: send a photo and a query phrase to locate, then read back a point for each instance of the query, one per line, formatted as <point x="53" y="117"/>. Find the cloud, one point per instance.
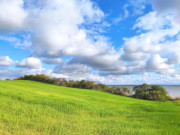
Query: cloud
<point x="164" y="24"/>
<point x="54" y="29"/>
<point x="52" y="61"/>
<point x="62" y="24"/>
<point x="139" y="6"/>
<point x="164" y="6"/>
<point x="23" y="42"/>
<point x="73" y="71"/>
<point x="6" y="61"/>
<point x="140" y="47"/>
<point x="121" y="17"/>
<point x="174" y="58"/>
<point x="158" y="64"/>
<point x="64" y="32"/>
<point x="145" y="52"/>
<point x="98" y="61"/>
<point x="159" y="6"/>
<point x="12" y="15"/>
<point x="30" y="62"/>
<point x="73" y="33"/>
<point x="156" y="46"/>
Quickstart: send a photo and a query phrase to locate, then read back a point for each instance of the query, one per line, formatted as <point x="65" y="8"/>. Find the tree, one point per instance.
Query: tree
<point x="141" y="91"/>
<point x="157" y="93"/>
<point x="117" y="90"/>
<point x="154" y="92"/>
<point x="126" y="90"/>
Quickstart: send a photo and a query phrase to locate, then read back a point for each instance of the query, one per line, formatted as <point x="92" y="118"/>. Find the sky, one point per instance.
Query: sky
<point x="109" y="41"/>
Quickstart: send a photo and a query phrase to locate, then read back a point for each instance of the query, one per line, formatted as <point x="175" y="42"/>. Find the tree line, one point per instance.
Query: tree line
<point x="83" y="84"/>
<point x="144" y="91"/>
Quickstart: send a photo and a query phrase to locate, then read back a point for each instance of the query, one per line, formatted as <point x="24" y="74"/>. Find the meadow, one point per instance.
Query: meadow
<point x="34" y="108"/>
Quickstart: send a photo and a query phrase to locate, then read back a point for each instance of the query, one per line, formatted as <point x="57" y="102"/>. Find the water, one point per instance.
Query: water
<point x="173" y="90"/>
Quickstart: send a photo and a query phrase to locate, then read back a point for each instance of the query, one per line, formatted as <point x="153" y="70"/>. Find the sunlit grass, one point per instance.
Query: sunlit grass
<point x="28" y="107"/>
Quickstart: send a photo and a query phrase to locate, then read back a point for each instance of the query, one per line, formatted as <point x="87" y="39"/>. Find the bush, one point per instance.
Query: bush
<point x="118" y="91"/>
<point x="177" y="98"/>
<point x="126" y="91"/>
<point x="170" y="98"/>
<point x="141" y="91"/>
<point x="154" y="92"/>
<point x="157" y="93"/>
<point x="174" y="98"/>
<point x="38" y="77"/>
<point x="100" y="87"/>
<point x="115" y="90"/>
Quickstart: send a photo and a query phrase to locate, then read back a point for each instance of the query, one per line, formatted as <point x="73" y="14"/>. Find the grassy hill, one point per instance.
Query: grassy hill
<point x="28" y="107"/>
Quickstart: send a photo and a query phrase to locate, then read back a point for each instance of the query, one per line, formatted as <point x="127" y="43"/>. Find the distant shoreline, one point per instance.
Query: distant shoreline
<point x="138" y="84"/>
<point x="173" y="90"/>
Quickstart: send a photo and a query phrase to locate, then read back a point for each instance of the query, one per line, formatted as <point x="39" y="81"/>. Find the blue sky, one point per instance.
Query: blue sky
<point x="108" y="41"/>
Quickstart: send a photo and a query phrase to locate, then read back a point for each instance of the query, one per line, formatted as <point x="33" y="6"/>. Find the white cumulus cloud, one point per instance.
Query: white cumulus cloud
<point x="6" y="61"/>
<point x="12" y="15"/>
<point x="30" y="62"/>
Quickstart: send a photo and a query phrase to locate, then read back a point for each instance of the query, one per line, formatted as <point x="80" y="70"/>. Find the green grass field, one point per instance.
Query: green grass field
<point x="33" y="108"/>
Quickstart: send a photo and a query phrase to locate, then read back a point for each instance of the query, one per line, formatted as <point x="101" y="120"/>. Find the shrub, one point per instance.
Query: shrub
<point x="141" y="91"/>
<point x="170" y="98"/>
<point x="157" y="93"/>
<point x="82" y="84"/>
<point x="63" y="82"/>
<point x="177" y="98"/>
<point x="126" y="90"/>
<point x="118" y="91"/>
<point x="115" y="90"/>
<point x="100" y="87"/>
<point x="173" y="98"/>
<point x="154" y="92"/>
<point x="37" y="77"/>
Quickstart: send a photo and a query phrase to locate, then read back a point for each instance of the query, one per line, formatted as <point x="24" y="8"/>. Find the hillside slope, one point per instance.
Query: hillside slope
<point x="28" y="107"/>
